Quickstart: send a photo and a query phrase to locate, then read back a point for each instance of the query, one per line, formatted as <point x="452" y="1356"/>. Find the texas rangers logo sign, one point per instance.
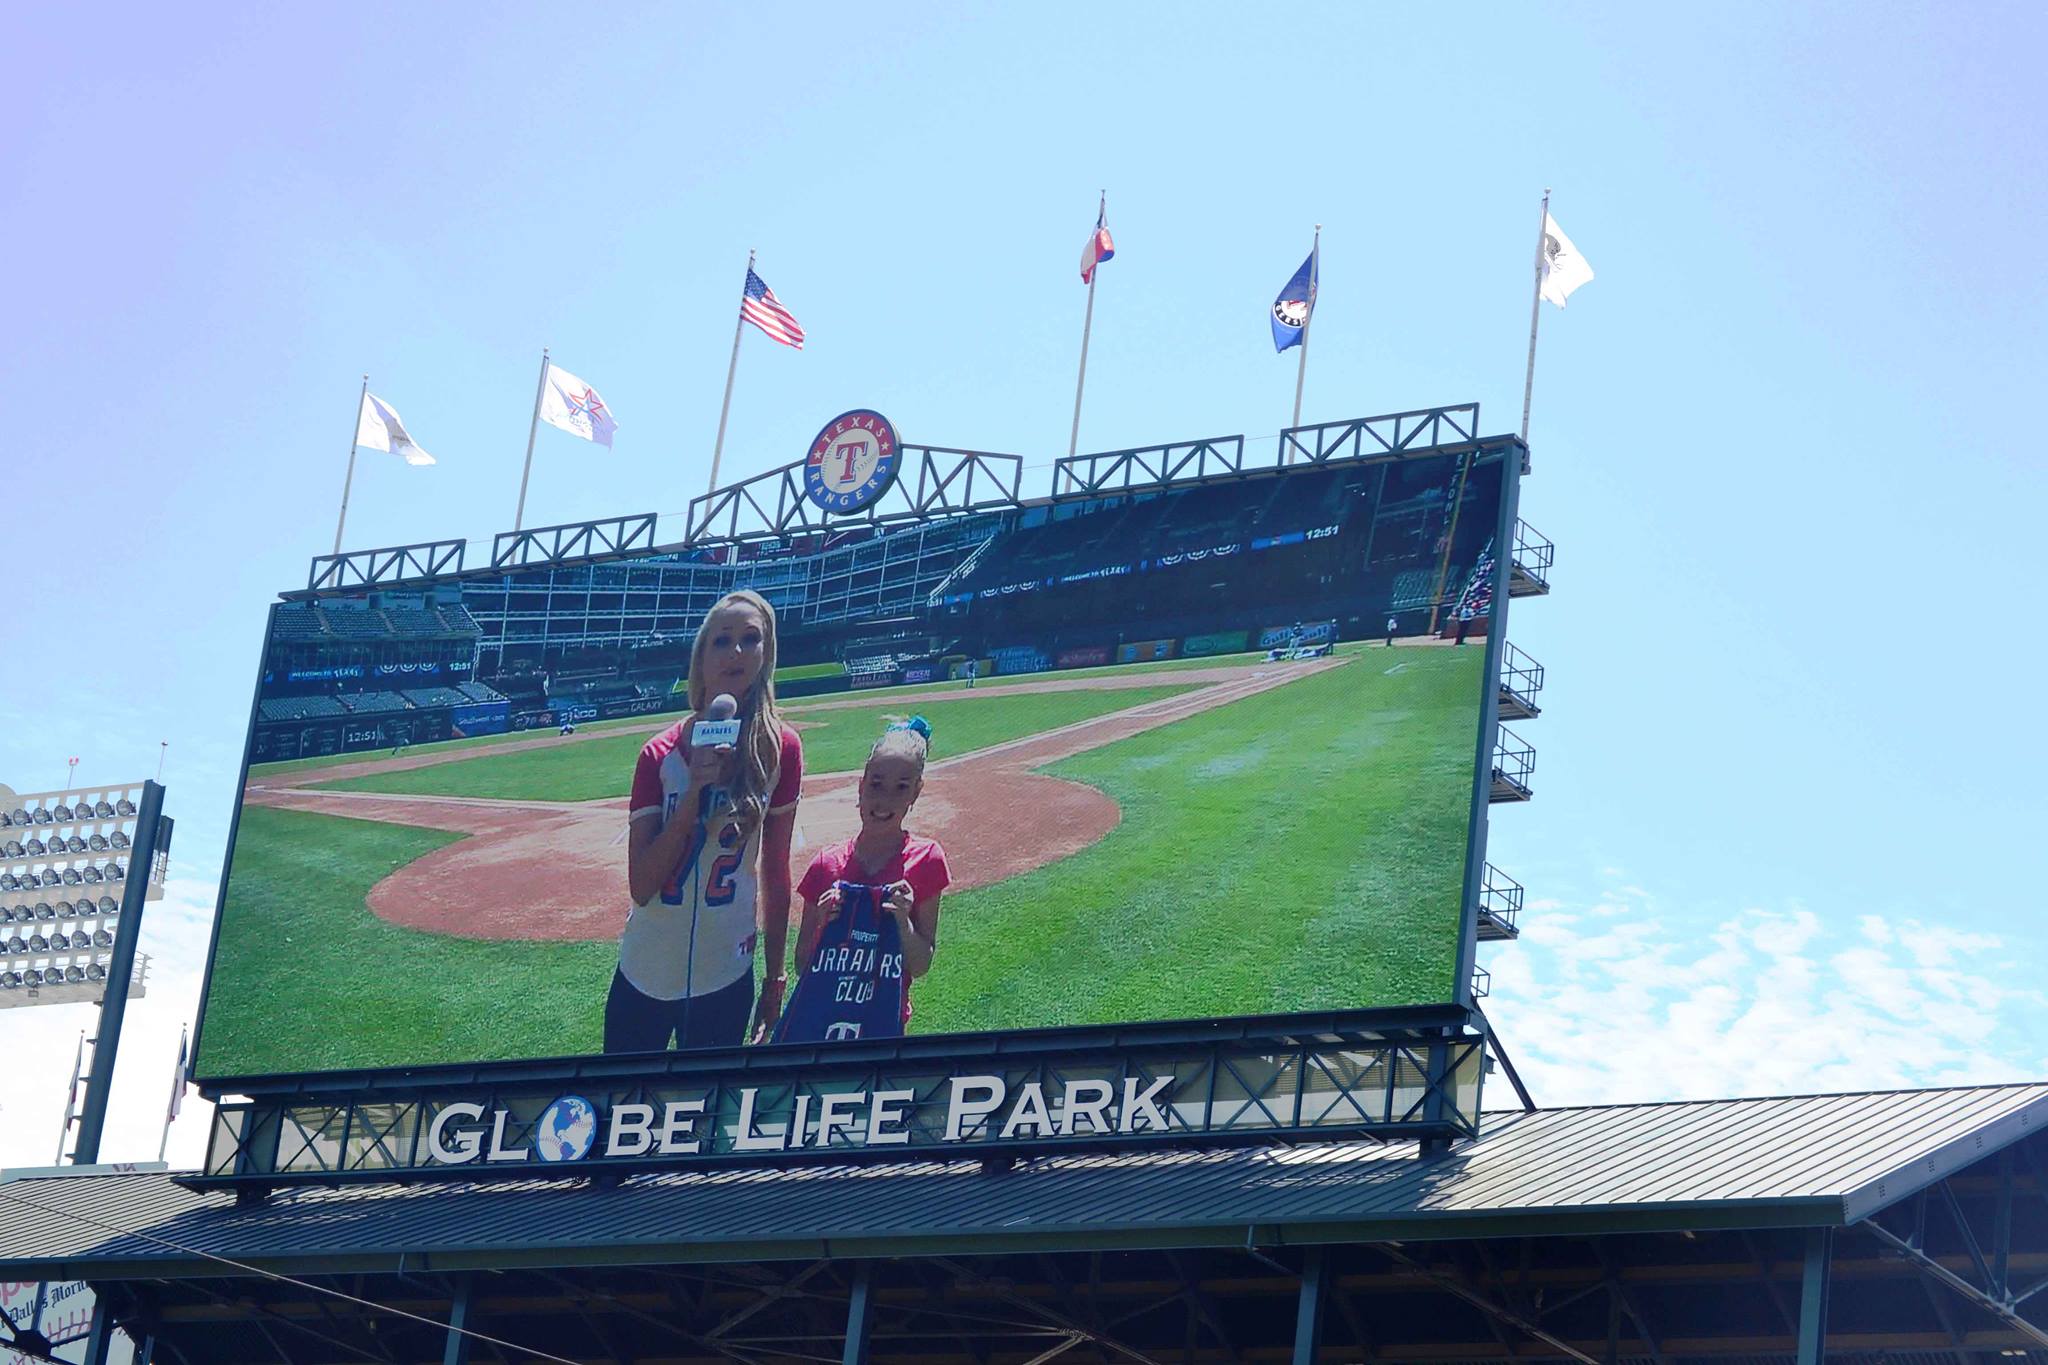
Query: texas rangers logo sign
<point x="852" y="461"/>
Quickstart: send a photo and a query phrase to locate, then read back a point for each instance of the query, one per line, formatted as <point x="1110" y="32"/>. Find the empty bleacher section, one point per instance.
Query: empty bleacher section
<point x="298" y="708"/>
<point x="1351" y="544"/>
<point x="820" y="586"/>
<point x="381" y="670"/>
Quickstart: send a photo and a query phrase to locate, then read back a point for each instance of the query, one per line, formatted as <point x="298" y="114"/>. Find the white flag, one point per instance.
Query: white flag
<point x="378" y="428"/>
<point x="178" y="1081"/>
<point x="569" y="403"/>
<point x="1564" y="269"/>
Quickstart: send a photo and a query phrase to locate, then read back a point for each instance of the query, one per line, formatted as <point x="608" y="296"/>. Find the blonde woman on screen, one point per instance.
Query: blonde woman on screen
<point x="707" y="853"/>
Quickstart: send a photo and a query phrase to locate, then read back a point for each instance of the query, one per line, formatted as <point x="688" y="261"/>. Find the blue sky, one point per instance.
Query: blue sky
<point x="1785" y="784"/>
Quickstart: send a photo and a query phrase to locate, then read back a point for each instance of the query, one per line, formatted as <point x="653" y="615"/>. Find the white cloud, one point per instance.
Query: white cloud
<point x="1595" y="1008"/>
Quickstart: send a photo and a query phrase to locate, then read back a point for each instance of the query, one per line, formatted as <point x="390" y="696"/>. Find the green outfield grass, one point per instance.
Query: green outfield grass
<point x="836" y="739"/>
<point x="1301" y="849"/>
<point x="305" y="978"/>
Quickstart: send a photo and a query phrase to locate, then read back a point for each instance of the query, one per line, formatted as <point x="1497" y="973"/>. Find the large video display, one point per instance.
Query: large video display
<point x="1174" y="754"/>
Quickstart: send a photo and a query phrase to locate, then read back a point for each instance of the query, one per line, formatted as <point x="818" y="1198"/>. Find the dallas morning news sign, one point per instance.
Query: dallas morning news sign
<point x="1416" y="1087"/>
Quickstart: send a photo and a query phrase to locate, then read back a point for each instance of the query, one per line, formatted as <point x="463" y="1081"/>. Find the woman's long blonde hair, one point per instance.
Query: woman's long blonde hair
<point x="760" y="746"/>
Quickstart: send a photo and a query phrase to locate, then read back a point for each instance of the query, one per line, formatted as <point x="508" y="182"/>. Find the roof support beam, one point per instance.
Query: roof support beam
<point x="455" y="1351"/>
<point x="859" y="1315"/>
<point x="1203" y="1306"/>
<point x="102" y="1334"/>
<point x="1056" y="1319"/>
<point x="1480" y="1301"/>
<point x="1308" y="1308"/>
<point x="1941" y="1274"/>
<point x="1813" y="1297"/>
<point x="1628" y="1302"/>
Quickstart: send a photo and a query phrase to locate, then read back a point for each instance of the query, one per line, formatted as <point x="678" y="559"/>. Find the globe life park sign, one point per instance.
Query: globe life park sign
<point x="850" y="1101"/>
<point x="978" y="1107"/>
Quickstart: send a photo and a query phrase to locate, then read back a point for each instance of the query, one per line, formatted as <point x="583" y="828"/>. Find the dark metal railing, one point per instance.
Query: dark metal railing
<point x="1532" y="556"/>
<point x="1521" y="678"/>
<point x="1424" y="430"/>
<point x="1116" y="471"/>
<point x="1514" y="763"/>
<point x="1500" y="900"/>
<point x="538" y="546"/>
<point x="393" y="564"/>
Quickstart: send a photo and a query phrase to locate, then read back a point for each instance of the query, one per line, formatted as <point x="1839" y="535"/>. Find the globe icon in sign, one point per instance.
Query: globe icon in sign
<point x="566" y="1130"/>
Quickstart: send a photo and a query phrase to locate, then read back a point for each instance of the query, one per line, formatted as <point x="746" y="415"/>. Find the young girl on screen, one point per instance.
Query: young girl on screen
<point x="871" y="906"/>
<point x="707" y="853"/>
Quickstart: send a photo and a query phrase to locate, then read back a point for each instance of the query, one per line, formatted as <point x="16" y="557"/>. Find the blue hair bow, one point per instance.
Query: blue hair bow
<point x="919" y="724"/>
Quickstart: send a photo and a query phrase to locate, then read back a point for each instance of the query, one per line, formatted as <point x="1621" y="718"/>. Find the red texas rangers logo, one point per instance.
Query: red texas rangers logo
<point x="852" y="461"/>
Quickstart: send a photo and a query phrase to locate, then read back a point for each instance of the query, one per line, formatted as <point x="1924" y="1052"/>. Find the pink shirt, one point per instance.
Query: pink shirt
<point x="921" y="862"/>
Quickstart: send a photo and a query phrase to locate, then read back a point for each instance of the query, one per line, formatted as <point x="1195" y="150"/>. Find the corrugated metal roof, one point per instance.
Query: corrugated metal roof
<point x="1801" y="1161"/>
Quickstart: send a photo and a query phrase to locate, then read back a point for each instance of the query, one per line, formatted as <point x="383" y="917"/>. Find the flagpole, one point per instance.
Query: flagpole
<point x="1087" y="326"/>
<point x="71" y="1098"/>
<point x="170" y="1107"/>
<point x="1301" y="373"/>
<point x="349" y="480"/>
<point x="532" y="429"/>
<point x="739" y="327"/>
<point x="1535" y="313"/>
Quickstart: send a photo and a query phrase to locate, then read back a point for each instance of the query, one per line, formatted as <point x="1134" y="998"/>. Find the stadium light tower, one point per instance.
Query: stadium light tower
<point x="76" y="868"/>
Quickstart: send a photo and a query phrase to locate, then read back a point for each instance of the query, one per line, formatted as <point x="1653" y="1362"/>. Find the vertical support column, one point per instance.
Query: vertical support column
<point x="859" y="1315"/>
<point x="1813" y="1296"/>
<point x="101" y="1337"/>
<point x="2001" y="1229"/>
<point x="1308" y="1309"/>
<point x="149" y="827"/>
<point x="456" y="1351"/>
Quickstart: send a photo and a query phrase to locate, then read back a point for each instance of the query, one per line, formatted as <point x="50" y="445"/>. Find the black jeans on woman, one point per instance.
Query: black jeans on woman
<point x="634" y="1022"/>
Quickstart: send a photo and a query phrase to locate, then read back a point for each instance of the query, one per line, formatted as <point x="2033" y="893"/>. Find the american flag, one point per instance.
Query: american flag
<point x="760" y="307"/>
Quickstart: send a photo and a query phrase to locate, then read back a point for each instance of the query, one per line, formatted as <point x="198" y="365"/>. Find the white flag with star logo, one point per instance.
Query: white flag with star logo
<point x="569" y="403"/>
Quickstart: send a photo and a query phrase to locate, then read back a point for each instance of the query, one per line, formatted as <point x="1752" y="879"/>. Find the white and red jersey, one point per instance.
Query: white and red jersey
<point x="696" y="934"/>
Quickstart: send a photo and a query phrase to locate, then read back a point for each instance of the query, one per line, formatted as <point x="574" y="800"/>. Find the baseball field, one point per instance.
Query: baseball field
<point x="1168" y="840"/>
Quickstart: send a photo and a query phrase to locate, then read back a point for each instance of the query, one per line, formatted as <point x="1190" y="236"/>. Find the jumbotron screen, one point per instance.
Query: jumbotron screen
<point x="1174" y="754"/>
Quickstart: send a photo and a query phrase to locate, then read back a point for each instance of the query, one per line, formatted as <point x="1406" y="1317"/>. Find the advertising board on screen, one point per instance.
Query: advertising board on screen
<point x="1109" y="761"/>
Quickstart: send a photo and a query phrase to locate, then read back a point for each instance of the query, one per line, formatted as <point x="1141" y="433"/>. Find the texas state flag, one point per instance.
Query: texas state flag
<point x="1099" y="248"/>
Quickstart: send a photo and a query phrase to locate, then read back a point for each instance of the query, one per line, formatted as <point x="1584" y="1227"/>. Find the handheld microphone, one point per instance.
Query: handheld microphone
<point x="718" y="725"/>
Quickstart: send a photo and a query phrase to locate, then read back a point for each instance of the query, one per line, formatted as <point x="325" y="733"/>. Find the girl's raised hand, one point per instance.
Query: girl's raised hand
<point x="899" y="901"/>
<point x="828" y="902"/>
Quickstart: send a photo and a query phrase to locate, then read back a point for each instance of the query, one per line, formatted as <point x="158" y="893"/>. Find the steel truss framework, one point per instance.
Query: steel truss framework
<point x="1941" y="1278"/>
<point x="573" y="541"/>
<point x="934" y="481"/>
<point x="941" y="481"/>
<point x="394" y="564"/>
<point x="1120" y="471"/>
<point x="1421" y="1084"/>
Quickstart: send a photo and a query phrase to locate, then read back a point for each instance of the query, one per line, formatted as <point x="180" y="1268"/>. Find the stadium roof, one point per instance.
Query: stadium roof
<point x="1807" y="1161"/>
